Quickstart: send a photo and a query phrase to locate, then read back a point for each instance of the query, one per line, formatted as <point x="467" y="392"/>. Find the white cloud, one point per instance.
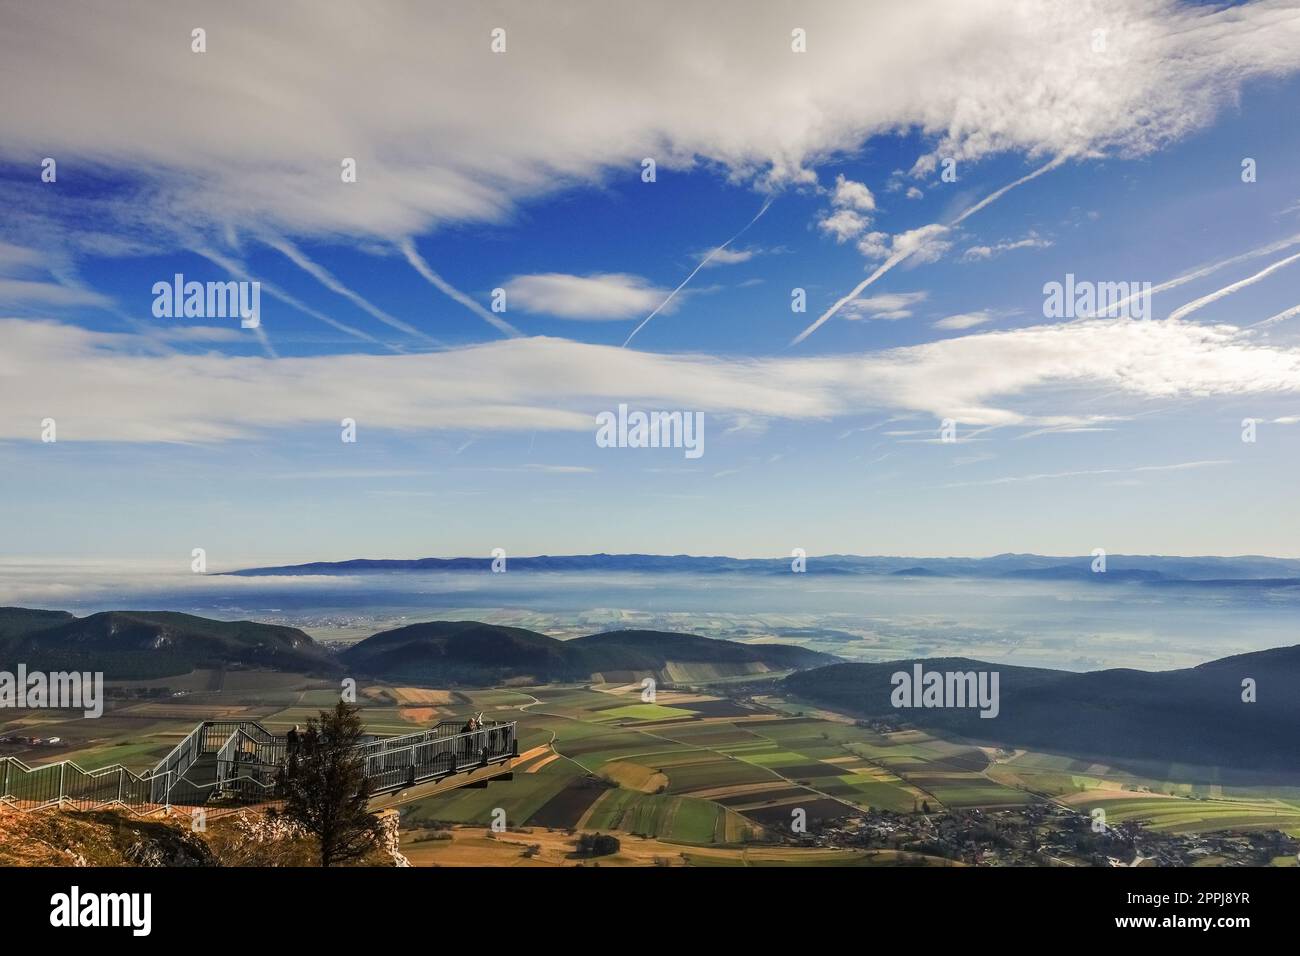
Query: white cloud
<point x="33" y="292"/>
<point x="851" y="207"/>
<point x="875" y="245"/>
<point x="106" y="387"/>
<point x="890" y="306"/>
<point x="964" y="320"/>
<point x="849" y="194"/>
<point x="596" y="297"/>
<point x="17" y="259"/>
<point x="914" y="193"/>
<point x="443" y="131"/>
<point x="924" y="244"/>
<point x="725" y="257"/>
<point x="1031" y="241"/>
<point x="843" y="224"/>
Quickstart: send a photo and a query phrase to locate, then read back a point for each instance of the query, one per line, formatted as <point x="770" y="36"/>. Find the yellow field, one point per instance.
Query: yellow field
<point x="634" y="776"/>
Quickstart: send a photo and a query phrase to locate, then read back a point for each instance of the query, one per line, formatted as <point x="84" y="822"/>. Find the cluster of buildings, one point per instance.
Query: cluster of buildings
<point x="1045" y="834"/>
<point x="19" y="741"/>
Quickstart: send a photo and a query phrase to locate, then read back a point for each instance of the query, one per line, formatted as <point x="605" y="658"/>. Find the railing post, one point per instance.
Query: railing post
<point x="4" y="787"/>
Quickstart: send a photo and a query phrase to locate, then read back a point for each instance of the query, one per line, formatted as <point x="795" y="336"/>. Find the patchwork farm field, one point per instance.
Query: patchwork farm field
<point x="695" y="776"/>
<point x="695" y="769"/>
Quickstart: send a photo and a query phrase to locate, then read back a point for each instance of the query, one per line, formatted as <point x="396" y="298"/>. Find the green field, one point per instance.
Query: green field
<point x="668" y="770"/>
<point x="644" y="712"/>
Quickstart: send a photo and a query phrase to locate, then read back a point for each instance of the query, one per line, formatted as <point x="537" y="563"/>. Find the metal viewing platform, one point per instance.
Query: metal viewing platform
<point x="224" y="763"/>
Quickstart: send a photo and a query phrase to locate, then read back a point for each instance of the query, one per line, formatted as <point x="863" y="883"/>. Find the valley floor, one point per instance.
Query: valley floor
<point x="718" y="774"/>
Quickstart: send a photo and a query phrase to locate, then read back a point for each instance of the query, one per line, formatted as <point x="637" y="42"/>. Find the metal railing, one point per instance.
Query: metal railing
<point x="67" y="783"/>
<point x="240" y="760"/>
<point x="395" y="762"/>
<point x="173" y="766"/>
<point x="248" y="763"/>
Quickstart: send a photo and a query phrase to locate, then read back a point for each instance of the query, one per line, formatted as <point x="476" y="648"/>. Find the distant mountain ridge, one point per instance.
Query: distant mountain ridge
<point x="1194" y="716"/>
<point x="471" y="652"/>
<point x="1152" y="569"/>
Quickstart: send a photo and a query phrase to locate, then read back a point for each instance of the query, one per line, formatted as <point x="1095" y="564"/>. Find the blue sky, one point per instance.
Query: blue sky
<point x="522" y="171"/>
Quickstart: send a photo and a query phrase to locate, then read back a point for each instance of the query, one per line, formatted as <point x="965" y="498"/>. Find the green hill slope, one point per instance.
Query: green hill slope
<point x="1194" y="716"/>
<point x="471" y="652"/>
<point x="144" y="644"/>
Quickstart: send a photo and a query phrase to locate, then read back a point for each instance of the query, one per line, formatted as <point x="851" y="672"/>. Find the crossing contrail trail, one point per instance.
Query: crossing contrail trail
<point x="446" y="288"/>
<point x="1195" y="304"/>
<point x="327" y="279"/>
<point x="235" y="268"/>
<point x="703" y="262"/>
<point x="902" y="254"/>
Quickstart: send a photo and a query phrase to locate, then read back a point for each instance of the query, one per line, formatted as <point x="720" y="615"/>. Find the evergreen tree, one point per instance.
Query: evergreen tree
<point x="325" y="788"/>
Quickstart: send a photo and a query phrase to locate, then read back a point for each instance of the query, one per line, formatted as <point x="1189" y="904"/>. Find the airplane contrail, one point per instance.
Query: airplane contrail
<point x="234" y="268"/>
<point x="1280" y="317"/>
<point x="884" y="267"/>
<point x="998" y="194"/>
<point x="1227" y="290"/>
<point x="327" y="279"/>
<point x="446" y="288"/>
<point x="703" y="262"/>
<point x="1206" y="270"/>
<point x="265" y="340"/>
<point x="899" y="256"/>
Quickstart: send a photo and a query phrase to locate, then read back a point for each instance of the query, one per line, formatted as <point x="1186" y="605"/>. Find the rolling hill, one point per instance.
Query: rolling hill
<point x="144" y="644"/>
<point x="1194" y="715"/>
<point x="17" y="622"/>
<point x="473" y="653"/>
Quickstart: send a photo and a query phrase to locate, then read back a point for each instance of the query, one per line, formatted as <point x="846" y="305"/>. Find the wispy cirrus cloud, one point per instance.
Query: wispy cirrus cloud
<point x="429" y="157"/>
<point x="964" y="320"/>
<point x="992" y="251"/>
<point x="1092" y="472"/>
<point x="727" y="257"/>
<point x="36" y="292"/>
<point x="889" y="306"/>
<point x="103" y="387"/>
